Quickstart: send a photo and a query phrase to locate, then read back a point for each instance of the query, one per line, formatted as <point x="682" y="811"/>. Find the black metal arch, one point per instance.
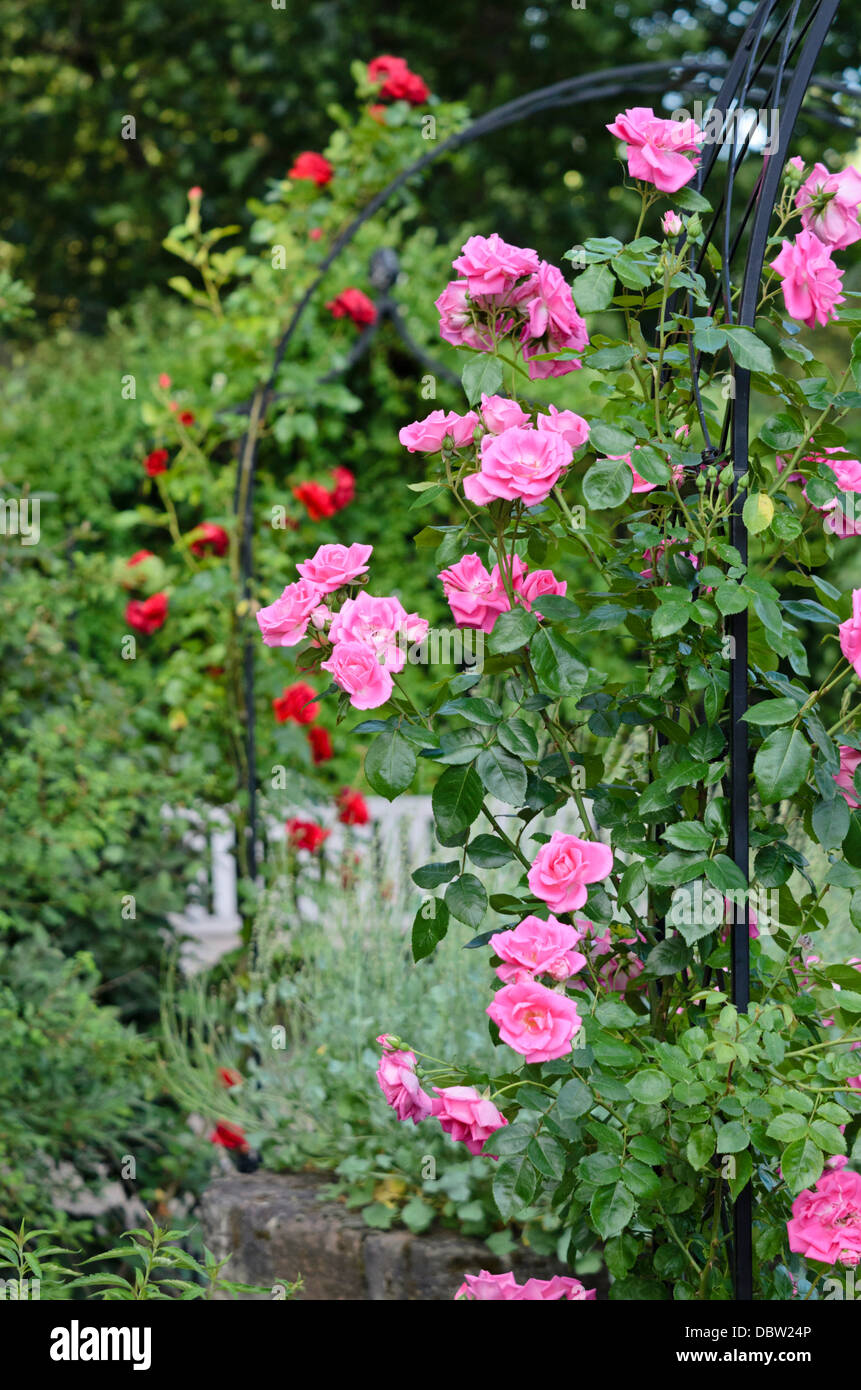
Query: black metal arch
<point x="772" y="68"/>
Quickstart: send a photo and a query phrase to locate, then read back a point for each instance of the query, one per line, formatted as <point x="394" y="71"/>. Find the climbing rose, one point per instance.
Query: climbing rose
<point x="313" y="167"/>
<point x="826" y="1223"/>
<point x="553" y="323"/>
<point x="847" y="471"/>
<point x="491" y="266"/>
<point x="381" y="624"/>
<point x="209" y="536"/>
<point x="455" y="318"/>
<point x="499" y="413"/>
<point x="384" y="65"/>
<point x="354" y="668"/>
<point x="475" y="597"/>
<point x="406" y="86"/>
<point x="316" y="500"/>
<point x="353" y="304"/>
<point x="305" y="834"/>
<point x="564" y="866"/>
<point x="572" y="427"/>
<point x="849" y="760"/>
<point x="429" y="434"/>
<point x="519" y="463"/>
<point x="229" y="1136"/>
<point x="296" y="704"/>
<point x="811" y="280"/>
<point x="147" y="615"/>
<point x="130" y="581"/>
<point x="467" y="1116"/>
<point x="657" y="148"/>
<point x="401" y="1087"/>
<point x="829" y="204"/>
<point x="536" y="947"/>
<point x="156" y="462"/>
<point x="850" y="634"/>
<point x="321" y="745"/>
<point x="353" y="808"/>
<point x="496" y="1288"/>
<point x="285" y="622"/>
<point x="333" y="566"/>
<point x="532" y="585"/>
<point x="344" y="491"/>
<point x="536" y="1021"/>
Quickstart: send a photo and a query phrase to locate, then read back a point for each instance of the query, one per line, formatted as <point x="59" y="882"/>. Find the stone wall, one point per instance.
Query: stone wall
<point x="275" y="1228"/>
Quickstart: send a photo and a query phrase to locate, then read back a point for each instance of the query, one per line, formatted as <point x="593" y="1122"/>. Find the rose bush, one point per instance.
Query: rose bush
<point x="630" y="1088"/>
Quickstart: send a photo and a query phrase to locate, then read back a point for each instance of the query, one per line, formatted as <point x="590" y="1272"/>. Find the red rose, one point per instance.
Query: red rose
<point x="321" y="745"/>
<point x="385" y="65"/>
<point x="164" y="381"/>
<point x="313" y="167"/>
<point x="195" y="193"/>
<point x="316" y="500"/>
<point x="304" y="834"/>
<point x="229" y="1136"/>
<point x="186" y="417"/>
<point x="353" y="304"/>
<point x="315" y="233"/>
<point x="156" y="462"/>
<point x="138" y="556"/>
<point x="208" y="536"/>
<point x="344" y="491"/>
<point x="229" y="1076"/>
<point x="406" y="86"/>
<point x="296" y="703"/>
<point x="353" y="808"/>
<point x="147" y="615"/>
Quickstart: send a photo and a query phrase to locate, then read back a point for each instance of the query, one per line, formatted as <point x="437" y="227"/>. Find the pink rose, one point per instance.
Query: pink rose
<point x="536" y="947"/>
<point x="467" y="1116"/>
<point x="829" y="204"/>
<point x="839" y="524"/>
<point x="623" y="967"/>
<point x="563" y="867"/>
<point x="355" y="668"/>
<point x="572" y="427"/>
<point x="400" y="1086"/>
<point x="382" y="625"/>
<point x="475" y="597"/>
<point x="428" y="435"/>
<point x="847" y="471"/>
<point x="499" y="413"/>
<point x="284" y="622"/>
<point x="657" y="148"/>
<point x="550" y="308"/>
<point x="332" y="566"/>
<point x="519" y="463"/>
<point x="849" y="760"/>
<point x="536" y="1021"/>
<point x="826" y="1223"/>
<point x="497" y="1288"/>
<point x="811" y="280"/>
<point x="491" y="267"/>
<point x="456" y="324"/>
<point x="850" y="634"/>
<point x="536" y="583"/>
<point x="671" y="224"/>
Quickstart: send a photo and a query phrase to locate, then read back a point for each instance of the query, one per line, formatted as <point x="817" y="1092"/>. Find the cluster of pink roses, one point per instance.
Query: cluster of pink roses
<point x="463" y="1112"/>
<point x="477" y="597"/>
<point x="828" y="203"/>
<point x="826" y="1223"/>
<point x="657" y="149"/>
<point x="505" y="291"/>
<point x="368" y="636"/>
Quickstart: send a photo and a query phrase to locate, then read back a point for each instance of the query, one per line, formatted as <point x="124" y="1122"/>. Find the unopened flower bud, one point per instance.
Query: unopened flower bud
<point x="695" y="225"/>
<point x="671" y="223"/>
<point x="701" y="482"/>
<point x="725" y="475"/>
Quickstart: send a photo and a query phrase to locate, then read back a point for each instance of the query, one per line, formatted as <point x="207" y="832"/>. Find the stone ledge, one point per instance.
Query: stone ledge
<point x="274" y="1228"/>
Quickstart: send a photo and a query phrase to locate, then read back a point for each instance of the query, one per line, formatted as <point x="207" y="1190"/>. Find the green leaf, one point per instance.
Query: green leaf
<point x="781" y="765"/>
<point x="456" y="799"/>
<point x="488" y="852"/>
<point x="466" y="900"/>
<point x="742" y="1175"/>
<point x="429" y="927"/>
<point x="512" y="630"/>
<point x="609" y="357"/>
<point x="787" y="1127"/>
<point x="610" y="439"/>
<point x="432" y="875"/>
<point x="611" y="1209"/>
<point x="574" y="1100"/>
<point x="503" y="775"/>
<point x="557" y="667"/>
<point x="732" y="1138"/>
<point x="518" y="737"/>
<point x="724" y="874"/>
<point x="668" y="957"/>
<point x="608" y="483"/>
<point x="700" y="1146"/>
<point x="748" y="350"/>
<point x="689" y="200"/>
<point x="831" y="822"/>
<point x="801" y="1164"/>
<point x="689" y="835"/>
<point x="390" y="764"/>
<point x="514" y="1183"/>
<point x="593" y="290"/>
<point x="651" y="465"/>
<point x="649" y="1086"/>
<point x="669" y="617"/>
<point x="778" y="711"/>
<point x="781" y="432"/>
<point x="475" y="708"/>
<point x="757" y="512"/>
<point x="482" y="375"/>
